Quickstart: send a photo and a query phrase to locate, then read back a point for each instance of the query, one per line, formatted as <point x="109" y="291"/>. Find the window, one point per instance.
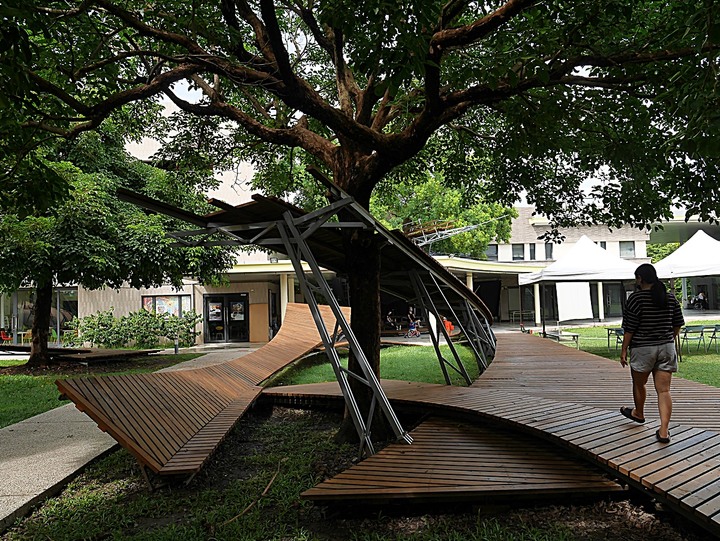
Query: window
<point x="532" y="251"/>
<point x="175" y="305"/>
<point x="548" y="250"/>
<point x="602" y="244"/>
<point x="518" y="252"/>
<point x="492" y="252"/>
<point x="627" y="248"/>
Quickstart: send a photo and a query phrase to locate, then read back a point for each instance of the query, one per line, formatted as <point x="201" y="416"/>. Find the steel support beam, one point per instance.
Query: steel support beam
<point x="298" y="251"/>
<point x="426" y="299"/>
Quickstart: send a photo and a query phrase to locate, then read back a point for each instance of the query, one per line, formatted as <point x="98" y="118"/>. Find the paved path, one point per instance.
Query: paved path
<point x="40" y="455"/>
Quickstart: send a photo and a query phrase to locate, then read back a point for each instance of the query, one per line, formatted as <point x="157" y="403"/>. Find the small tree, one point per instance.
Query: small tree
<point x="94" y="240"/>
<point x="416" y="202"/>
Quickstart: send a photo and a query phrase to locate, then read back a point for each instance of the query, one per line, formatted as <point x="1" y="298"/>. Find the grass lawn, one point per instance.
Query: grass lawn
<point x="412" y="363"/>
<point x="700" y="366"/>
<point x="23" y="395"/>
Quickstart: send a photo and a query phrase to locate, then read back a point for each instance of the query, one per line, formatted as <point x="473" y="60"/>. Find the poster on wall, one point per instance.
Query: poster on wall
<point x="166" y="305"/>
<point x="215" y="311"/>
<point x="237" y="311"/>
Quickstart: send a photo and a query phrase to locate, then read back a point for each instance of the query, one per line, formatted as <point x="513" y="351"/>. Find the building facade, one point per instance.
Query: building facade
<point x="249" y="306"/>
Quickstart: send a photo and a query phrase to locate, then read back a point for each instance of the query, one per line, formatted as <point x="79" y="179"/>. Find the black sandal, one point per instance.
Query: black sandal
<point x="627" y="412"/>
<point x="660" y="438"/>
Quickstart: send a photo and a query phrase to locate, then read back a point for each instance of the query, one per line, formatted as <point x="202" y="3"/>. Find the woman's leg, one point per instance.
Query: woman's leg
<point x="662" y="380"/>
<point x="639" y="380"/>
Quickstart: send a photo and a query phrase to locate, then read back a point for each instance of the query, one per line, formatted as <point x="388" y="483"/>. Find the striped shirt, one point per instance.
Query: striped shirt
<point x="651" y="325"/>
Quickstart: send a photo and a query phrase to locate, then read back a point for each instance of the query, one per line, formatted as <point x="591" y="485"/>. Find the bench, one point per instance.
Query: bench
<point x="522" y="315"/>
<point x="560" y="336"/>
<point x="172" y="422"/>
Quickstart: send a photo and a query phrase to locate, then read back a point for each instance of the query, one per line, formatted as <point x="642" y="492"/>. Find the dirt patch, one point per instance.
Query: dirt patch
<point x="70" y="368"/>
<point x="633" y="518"/>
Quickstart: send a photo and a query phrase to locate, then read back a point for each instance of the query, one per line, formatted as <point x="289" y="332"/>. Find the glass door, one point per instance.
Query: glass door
<point x="227" y="318"/>
<point x="215" y="319"/>
<point x="237" y="324"/>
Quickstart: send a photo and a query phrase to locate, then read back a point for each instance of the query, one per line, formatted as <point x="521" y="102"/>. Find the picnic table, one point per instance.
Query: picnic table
<point x="563" y="336"/>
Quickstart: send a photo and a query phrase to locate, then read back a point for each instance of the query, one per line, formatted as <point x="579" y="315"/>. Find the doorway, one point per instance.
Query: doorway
<point x="226" y="318"/>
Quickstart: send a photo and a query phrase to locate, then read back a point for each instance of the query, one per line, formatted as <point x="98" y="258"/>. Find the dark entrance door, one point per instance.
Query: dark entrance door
<point x="226" y="318"/>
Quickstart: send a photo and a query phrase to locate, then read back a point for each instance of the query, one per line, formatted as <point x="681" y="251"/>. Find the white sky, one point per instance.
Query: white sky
<point x="230" y="191"/>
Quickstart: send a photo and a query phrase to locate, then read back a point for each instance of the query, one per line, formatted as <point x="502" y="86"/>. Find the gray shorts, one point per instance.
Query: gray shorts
<point x="648" y="358"/>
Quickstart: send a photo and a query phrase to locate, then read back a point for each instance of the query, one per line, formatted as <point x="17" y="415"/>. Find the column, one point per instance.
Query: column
<point x="291" y="288"/>
<point x="283" y="295"/>
<point x="469" y="280"/>
<point x="601" y="302"/>
<point x="536" y="295"/>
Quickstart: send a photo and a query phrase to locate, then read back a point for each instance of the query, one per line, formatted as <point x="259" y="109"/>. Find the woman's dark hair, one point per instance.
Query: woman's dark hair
<point x="658" y="291"/>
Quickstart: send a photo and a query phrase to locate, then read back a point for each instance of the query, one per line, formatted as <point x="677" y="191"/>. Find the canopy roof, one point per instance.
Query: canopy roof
<point x="255" y="223"/>
<point x="699" y="256"/>
<point x="585" y="262"/>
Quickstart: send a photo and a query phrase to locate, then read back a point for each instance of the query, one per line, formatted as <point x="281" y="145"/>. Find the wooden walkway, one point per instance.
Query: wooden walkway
<point x="571" y="398"/>
<point x="173" y="421"/>
<point x="451" y="460"/>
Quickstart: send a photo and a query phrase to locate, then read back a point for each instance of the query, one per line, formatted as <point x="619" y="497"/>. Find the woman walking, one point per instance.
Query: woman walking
<point x="652" y="320"/>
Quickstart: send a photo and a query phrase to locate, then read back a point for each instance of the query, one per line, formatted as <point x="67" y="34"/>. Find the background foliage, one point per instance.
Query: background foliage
<point x="141" y="329"/>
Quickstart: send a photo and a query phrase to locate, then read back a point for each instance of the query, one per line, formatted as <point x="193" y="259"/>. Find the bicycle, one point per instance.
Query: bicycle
<point x="413" y="331"/>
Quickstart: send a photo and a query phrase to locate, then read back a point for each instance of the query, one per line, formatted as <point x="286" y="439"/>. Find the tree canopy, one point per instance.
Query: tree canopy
<point x="547" y="95"/>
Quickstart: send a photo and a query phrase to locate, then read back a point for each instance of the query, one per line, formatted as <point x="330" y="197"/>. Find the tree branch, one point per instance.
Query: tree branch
<point x="296" y="136"/>
<point x="279" y="52"/>
<point x="100" y="111"/>
<point x="320" y="37"/>
<point x="147" y="30"/>
<point x="464" y="35"/>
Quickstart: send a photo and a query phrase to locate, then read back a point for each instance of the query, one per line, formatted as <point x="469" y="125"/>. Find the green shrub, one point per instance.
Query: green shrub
<point x="141" y="329"/>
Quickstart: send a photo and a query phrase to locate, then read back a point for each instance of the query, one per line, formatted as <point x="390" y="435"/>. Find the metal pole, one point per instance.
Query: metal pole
<point x="294" y="240"/>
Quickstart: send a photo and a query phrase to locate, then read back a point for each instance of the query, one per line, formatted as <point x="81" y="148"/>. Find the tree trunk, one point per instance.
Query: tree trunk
<point x="363" y="267"/>
<point x="40" y="327"/>
<point x="363" y="263"/>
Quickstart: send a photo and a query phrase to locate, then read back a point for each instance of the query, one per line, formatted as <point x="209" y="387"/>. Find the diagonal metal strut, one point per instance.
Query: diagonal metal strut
<point x="298" y="251"/>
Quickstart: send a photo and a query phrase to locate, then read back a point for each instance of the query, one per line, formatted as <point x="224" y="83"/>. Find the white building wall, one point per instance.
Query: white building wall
<point x="528" y="228"/>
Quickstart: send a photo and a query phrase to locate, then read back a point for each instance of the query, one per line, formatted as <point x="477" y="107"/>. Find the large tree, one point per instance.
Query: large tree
<point x="545" y="95"/>
<point x="91" y="238"/>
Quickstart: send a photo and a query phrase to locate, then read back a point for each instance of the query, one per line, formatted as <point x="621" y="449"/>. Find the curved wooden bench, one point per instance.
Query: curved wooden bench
<point x="173" y="421"/>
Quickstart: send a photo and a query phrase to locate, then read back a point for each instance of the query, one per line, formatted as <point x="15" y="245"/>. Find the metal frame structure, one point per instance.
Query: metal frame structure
<point x="293" y="233"/>
<point x="289" y="230"/>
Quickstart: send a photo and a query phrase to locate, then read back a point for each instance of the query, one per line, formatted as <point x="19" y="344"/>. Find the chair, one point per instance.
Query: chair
<point x="619" y="335"/>
<point x="713" y="336"/>
<point x="5" y="338"/>
<point x="218" y="333"/>
<point x="693" y="333"/>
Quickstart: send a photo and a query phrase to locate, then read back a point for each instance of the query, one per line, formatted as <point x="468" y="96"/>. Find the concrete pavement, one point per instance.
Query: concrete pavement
<point x="40" y="455"/>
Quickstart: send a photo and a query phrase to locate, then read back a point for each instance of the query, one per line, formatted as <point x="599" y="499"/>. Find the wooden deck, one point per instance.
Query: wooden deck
<point x="450" y="460"/>
<point x="172" y="421"/>
<point x="571" y="398"/>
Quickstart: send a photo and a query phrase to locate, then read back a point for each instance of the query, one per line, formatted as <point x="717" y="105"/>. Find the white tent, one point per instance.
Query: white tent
<point x="699" y="256"/>
<point x="585" y="262"/>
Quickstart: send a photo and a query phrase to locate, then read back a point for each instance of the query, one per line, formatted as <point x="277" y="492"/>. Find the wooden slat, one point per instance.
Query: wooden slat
<point x="173" y="421"/>
<point x="572" y="398"/>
